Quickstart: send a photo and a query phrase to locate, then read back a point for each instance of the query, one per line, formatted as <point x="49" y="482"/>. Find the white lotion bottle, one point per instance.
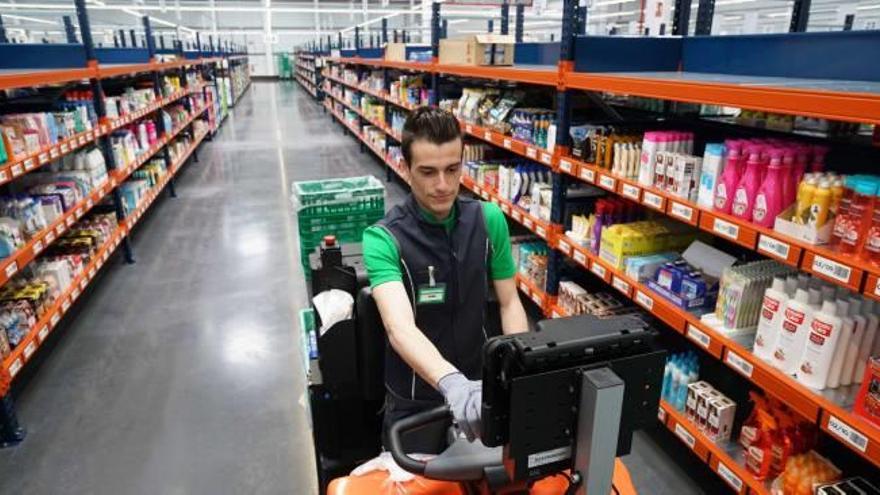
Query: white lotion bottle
<point x="852" y="351"/>
<point x="793" y="329"/>
<point x="867" y="340"/>
<point x="768" y="322"/>
<point x="847" y="329"/>
<point x="820" y="346"/>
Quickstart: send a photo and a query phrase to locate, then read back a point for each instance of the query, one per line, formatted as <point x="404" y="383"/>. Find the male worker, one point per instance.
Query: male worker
<point x="430" y="261"/>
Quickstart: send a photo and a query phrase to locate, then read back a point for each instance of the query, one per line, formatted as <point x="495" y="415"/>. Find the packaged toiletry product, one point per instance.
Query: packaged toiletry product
<point x="820" y="346"/>
<point x="820" y="204"/>
<point x="722" y="411"/>
<point x="730" y="177"/>
<point x="769" y="200"/>
<point x="855" y="342"/>
<point x="713" y="160"/>
<point x="769" y="320"/>
<point x="847" y="328"/>
<point x="867" y="341"/>
<point x="650" y="146"/>
<point x="869" y="393"/>
<point x="694" y="391"/>
<point x="793" y="331"/>
<point x="854" y="227"/>
<point x="747" y="189"/>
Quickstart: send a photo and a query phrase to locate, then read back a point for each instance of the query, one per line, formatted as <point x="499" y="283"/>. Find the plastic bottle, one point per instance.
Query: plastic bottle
<point x="846" y="331"/>
<point x="769" y="201"/>
<point x="841" y="218"/>
<point x="730" y="177"/>
<point x="805" y="191"/>
<point x="650" y="146"/>
<point x="855" y="342"/>
<point x="793" y="329"/>
<point x="819" y="347"/>
<point x="858" y="217"/>
<point x="867" y="340"/>
<point x="871" y="247"/>
<point x="747" y="189"/>
<point x="820" y="205"/>
<point x="713" y="159"/>
<point x="768" y="322"/>
<point x="789" y="181"/>
<point x="667" y="378"/>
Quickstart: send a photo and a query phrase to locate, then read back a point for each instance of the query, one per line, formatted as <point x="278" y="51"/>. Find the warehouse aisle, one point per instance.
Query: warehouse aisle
<point x="181" y="373"/>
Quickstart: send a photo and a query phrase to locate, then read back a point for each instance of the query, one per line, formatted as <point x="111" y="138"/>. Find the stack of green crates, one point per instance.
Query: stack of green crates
<point x="340" y="207"/>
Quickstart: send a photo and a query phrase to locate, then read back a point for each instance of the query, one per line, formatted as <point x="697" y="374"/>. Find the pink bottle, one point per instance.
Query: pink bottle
<point x="789" y="182"/>
<point x="747" y="189"/>
<point x="770" y="198"/>
<point x="819" y="153"/>
<point x="726" y="185"/>
<point x="801" y="159"/>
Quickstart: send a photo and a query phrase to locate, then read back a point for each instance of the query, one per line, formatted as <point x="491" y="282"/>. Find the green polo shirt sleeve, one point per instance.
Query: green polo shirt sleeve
<point x="382" y="258"/>
<point x="501" y="258"/>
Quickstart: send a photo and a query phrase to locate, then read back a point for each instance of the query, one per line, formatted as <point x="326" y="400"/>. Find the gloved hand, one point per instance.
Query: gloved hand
<point x="465" y="398"/>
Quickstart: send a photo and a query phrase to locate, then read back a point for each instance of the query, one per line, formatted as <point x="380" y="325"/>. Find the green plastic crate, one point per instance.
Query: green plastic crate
<point x="340" y="207"/>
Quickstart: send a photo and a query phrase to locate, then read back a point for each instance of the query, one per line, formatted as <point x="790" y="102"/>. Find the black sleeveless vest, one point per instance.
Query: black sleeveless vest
<point x="460" y="260"/>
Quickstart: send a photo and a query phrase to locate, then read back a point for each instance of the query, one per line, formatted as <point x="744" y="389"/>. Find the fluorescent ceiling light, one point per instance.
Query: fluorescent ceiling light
<point x="868" y="7"/>
<point x="456" y="21"/>
<point x="609" y="2"/>
<point x="778" y="14"/>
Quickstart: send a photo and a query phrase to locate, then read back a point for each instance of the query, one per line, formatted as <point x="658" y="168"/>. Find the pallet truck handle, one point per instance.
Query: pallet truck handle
<point x="409" y="464"/>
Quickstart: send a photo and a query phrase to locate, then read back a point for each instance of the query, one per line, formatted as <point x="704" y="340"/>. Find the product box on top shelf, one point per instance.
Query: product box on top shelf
<point x="401" y="52"/>
<point x="479" y="49"/>
<point x="785" y="224"/>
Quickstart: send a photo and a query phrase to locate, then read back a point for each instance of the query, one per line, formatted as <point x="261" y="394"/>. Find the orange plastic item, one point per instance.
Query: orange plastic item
<point x="805" y="470"/>
<point x="759" y="455"/>
<point x="377" y="483"/>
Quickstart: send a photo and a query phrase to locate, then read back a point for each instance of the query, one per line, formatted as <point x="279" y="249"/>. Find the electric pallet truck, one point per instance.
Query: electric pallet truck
<point x="559" y="406"/>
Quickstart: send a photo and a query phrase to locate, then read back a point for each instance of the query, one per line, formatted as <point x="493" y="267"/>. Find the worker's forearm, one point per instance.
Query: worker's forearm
<point x="422" y="356"/>
<point x="513" y="318"/>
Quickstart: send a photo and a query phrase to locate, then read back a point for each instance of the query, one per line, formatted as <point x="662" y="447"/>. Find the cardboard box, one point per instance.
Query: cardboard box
<point x="401" y="52"/>
<point x="694" y="391"/>
<point x="479" y="49"/>
<point x="395" y="52"/>
<point x="720" y="422"/>
<point x="807" y="233"/>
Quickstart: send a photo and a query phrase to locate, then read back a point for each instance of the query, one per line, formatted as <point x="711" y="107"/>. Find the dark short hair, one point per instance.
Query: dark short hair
<point x="429" y="124"/>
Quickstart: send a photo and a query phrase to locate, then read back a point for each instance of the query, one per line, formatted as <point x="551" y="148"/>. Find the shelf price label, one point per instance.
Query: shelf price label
<point x="38" y="246"/>
<point x="65" y="148"/>
<point x="685" y="436"/>
<point x="588" y="175"/>
<point x="523" y="287"/>
<point x="3" y="175"/>
<point x="645" y="300"/>
<point x="50" y="237"/>
<point x="516" y="215"/>
<point x="487" y="135"/>
<point x="681" y="211"/>
<point x="607" y="182"/>
<point x="507" y="143"/>
<point x="661" y="414"/>
<point x="54" y="319"/>
<point x="698" y="336"/>
<point x="505" y="208"/>
<point x="536" y="298"/>
<point x="653" y="200"/>
<point x="565" y="247"/>
<point x="30" y="349"/>
<point x="17" y="170"/>
<point x="565" y="165"/>
<point x="11" y="269"/>
<point x="737" y="362"/>
<point x="727" y="475"/>
<point x="54" y="153"/>
<point x="541" y="231"/>
<point x="598" y="270"/>
<point x="75" y="294"/>
<point x="468" y="128"/>
<point x="15" y="367"/>
<point x="528" y="223"/>
<point x="43" y="332"/>
<point x="725" y="228"/>
<point x="831" y="269"/>
<point x="43" y="157"/>
<point x="847" y="433"/>
<point x="29" y="163"/>
<point x="773" y="247"/>
<point x="531" y="153"/>
<point x="620" y="284"/>
<point x="630" y="191"/>
<point x="580" y="258"/>
<point x="65" y="305"/>
<point x="546" y="158"/>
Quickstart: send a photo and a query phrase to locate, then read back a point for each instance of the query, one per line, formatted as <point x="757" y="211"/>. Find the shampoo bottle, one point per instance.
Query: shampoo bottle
<point x="855" y="342"/>
<point x="867" y="340"/>
<point x="650" y="146"/>
<point x="713" y="159"/>
<point x="793" y="331"/>
<point x="769" y="201"/>
<point x="768" y="322"/>
<point x="820" y="346"/>
<point x="846" y="331"/>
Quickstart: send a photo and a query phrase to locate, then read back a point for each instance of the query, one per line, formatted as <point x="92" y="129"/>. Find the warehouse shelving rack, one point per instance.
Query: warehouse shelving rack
<point x="581" y="66"/>
<point x="42" y="65"/>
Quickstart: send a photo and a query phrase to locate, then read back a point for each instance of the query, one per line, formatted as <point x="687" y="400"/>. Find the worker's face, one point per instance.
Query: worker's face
<point x="434" y="175"/>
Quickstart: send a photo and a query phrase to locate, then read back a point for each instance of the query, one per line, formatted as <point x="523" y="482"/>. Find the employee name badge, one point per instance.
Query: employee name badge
<point x="432" y="292"/>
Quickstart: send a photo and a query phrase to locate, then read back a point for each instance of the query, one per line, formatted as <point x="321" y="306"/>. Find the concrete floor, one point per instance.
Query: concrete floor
<point x="181" y="374"/>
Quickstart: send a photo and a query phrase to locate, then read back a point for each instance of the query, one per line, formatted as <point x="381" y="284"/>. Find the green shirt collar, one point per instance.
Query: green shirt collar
<point x="447" y="223"/>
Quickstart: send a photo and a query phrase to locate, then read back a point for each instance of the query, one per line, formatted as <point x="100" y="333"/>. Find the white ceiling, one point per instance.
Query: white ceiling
<point x="294" y="22"/>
